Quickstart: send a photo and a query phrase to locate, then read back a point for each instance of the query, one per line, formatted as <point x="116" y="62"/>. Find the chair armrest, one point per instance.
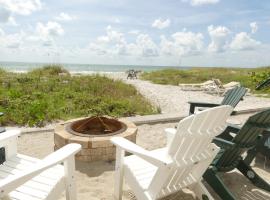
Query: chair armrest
<point x="203" y="104"/>
<point x="194" y="104"/>
<point x="224" y="144"/>
<point x="9" y="184"/>
<point x="130" y="147"/>
<point x="231" y="128"/>
<point x="8" y="141"/>
<point x="170" y="133"/>
<point x="9" y="134"/>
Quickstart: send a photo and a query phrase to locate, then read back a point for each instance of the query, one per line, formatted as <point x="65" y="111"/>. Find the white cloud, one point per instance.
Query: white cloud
<point x="6" y="18"/>
<point x="49" y="29"/>
<point x="161" y="24"/>
<point x="46" y="33"/>
<point x="168" y="48"/>
<point x="219" y="36"/>
<point x="5" y="14"/>
<point x="11" y="40"/>
<point x="65" y="17"/>
<point x="201" y="2"/>
<point x="243" y="41"/>
<point x="182" y="44"/>
<point x="114" y="43"/>
<point x="146" y="45"/>
<point x="254" y="27"/>
<point x="179" y="44"/>
<point x="111" y="43"/>
<point x="22" y="7"/>
<point x="2" y="32"/>
<point x="111" y="36"/>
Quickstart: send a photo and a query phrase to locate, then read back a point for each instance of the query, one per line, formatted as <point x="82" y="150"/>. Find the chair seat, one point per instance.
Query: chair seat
<point x="40" y="187"/>
<point x="142" y="170"/>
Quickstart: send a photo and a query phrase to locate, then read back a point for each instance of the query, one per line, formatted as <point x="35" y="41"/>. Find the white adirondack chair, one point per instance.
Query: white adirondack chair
<point x="181" y="164"/>
<point x="26" y="178"/>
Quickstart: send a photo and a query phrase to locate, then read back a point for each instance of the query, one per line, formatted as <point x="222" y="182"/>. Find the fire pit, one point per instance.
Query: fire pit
<point x="94" y="135"/>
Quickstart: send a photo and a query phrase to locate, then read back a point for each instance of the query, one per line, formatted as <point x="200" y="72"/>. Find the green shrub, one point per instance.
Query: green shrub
<point x="49" y="70"/>
<point x="40" y="96"/>
<point x="247" y="77"/>
<point x="2" y="71"/>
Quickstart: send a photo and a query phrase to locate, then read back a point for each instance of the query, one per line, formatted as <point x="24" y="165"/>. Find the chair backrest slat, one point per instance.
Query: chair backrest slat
<point x="233" y="96"/>
<point x="245" y="138"/>
<point x="191" y="150"/>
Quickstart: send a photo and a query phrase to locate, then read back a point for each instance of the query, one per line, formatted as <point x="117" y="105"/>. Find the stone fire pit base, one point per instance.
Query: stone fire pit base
<point x="94" y="148"/>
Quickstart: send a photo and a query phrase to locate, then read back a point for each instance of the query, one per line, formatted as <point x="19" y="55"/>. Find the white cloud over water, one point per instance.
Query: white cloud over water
<point x="243" y="41"/>
<point x="22" y="7"/>
<point x="50" y="29"/>
<point x="45" y="33"/>
<point x="114" y="42"/>
<point x="184" y="43"/>
<point x="219" y="38"/>
<point x="254" y="27"/>
<point x="201" y="2"/>
<point x="5" y="15"/>
<point x="161" y="24"/>
<point x="179" y="44"/>
<point x="12" y="41"/>
<point x="65" y="17"/>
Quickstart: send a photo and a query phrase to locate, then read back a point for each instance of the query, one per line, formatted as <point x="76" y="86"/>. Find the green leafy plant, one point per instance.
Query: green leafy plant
<point x="248" y="77"/>
<point x="42" y="96"/>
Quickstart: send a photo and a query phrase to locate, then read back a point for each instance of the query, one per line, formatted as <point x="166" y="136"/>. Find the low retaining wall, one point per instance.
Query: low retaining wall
<point x="149" y="119"/>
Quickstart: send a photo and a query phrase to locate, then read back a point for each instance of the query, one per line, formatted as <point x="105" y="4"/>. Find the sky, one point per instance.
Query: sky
<point x="136" y="32"/>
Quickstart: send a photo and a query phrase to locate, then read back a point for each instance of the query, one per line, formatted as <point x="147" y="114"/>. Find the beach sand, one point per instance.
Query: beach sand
<point x="95" y="180"/>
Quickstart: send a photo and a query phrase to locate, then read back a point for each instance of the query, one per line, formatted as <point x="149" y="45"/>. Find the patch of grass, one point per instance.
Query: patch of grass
<point x="42" y="96"/>
<point x="49" y="70"/>
<point x="247" y="77"/>
<point x="2" y="71"/>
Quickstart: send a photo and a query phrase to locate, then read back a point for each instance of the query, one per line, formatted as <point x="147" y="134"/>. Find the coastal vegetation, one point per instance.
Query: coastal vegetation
<point x="51" y="93"/>
<point x="247" y="77"/>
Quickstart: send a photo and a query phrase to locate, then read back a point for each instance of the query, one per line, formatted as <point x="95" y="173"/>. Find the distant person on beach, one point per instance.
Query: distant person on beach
<point x="132" y="74"/>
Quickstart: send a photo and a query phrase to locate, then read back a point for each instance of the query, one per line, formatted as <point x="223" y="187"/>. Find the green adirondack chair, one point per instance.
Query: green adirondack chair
<point x="263" y="147"/>
<point x="232" y="98"/>
<point x="230" y="156"/>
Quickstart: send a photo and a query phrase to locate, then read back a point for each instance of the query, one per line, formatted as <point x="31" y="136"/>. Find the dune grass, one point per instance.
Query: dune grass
<point x="51" y="93"/>
<point x="247" y="77"/>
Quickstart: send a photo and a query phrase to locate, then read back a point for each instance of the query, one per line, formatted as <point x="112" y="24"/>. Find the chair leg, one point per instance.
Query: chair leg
<point x="201" y="192"/>
<point x="191" y="109"/>
<point x="119" y="174"/>
<point x="216" y="183"/>
<point x="248" y="172"/>
<point x="251" y="154"/>
<point x="69" y="166"/>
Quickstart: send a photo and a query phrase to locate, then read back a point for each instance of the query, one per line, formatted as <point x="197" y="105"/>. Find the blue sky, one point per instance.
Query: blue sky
<point x="153" y="32"/>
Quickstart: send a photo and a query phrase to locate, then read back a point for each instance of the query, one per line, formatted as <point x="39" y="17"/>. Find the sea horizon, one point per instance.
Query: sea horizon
<point x="90" y="68"/>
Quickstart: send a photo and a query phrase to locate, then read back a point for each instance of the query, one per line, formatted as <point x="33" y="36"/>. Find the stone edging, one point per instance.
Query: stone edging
<point x="149" y="119"/>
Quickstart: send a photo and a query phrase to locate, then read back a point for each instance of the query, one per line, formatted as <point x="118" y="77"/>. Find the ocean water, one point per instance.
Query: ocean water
<point x="82" y="68"/>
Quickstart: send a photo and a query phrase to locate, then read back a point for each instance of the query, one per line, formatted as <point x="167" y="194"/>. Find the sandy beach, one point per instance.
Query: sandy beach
<point x="95" y="179"/>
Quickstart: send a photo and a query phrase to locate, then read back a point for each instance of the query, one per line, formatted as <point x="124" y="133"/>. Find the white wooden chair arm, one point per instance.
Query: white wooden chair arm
<point x="9" y="184"/>
<point x="7" y="135"/>
<point x="170" y="133"/>
<point x="130" y="147"/>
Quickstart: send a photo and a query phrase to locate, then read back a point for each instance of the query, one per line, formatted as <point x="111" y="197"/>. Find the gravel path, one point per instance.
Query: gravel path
<point x="172" y="99"/>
